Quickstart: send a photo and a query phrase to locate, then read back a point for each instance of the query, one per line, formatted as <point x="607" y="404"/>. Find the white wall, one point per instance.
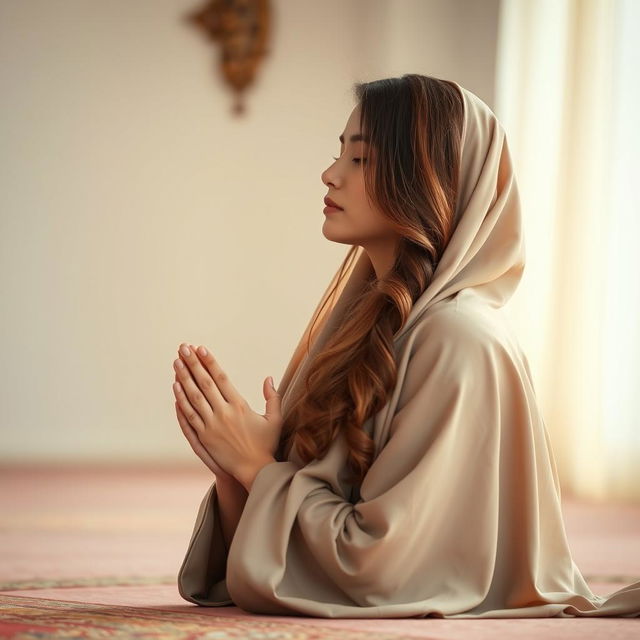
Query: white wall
<point x="138" y="213"/>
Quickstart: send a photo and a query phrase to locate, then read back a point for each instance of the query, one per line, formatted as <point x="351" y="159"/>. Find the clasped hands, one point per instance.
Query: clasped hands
<point x="222" y="429"/>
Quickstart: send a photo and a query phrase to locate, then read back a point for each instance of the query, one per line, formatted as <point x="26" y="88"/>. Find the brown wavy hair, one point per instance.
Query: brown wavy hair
<point x="414" y="124"/>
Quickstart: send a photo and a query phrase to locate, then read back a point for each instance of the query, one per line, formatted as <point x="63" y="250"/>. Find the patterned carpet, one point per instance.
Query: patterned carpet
<point x="42" y="617"/>
<point x="94" y="553"/>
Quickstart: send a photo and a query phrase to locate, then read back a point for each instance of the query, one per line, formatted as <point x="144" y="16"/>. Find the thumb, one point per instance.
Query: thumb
<point x="272" y="397"/>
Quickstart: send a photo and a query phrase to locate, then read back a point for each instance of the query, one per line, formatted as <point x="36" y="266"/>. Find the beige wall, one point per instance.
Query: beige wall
<point x="138" y="213"/>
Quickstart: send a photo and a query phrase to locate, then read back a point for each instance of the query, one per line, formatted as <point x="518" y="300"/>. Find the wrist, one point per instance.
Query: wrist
<point x="227" y="482"/>
<point x="250" y="474"/>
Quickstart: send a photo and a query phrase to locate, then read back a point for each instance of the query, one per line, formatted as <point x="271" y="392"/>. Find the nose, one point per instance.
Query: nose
<point x="328" y="177"/>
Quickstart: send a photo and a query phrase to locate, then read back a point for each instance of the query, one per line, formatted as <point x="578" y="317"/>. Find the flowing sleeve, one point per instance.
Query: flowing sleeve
<point x="202" y="576"/>
<point x="422" y="536"/>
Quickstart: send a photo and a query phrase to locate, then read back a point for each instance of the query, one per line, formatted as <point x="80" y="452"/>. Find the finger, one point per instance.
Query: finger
<point x="192" y="438"/>
<point x="219" y="376"/>
<point x="203" y="379"/>
<point x="192" y="415"/>
<point x="198" y="385"/>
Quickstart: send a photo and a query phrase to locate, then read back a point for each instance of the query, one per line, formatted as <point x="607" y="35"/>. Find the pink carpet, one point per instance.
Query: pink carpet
<point x="88" y="552"/>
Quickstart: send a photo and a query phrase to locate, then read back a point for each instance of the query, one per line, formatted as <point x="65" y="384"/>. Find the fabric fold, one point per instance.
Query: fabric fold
<point x="202" y="575"/>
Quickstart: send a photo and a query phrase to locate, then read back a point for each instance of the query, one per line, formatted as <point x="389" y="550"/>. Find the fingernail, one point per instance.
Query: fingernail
<point x="202" y="351"/>
<point x="185" y="350"/>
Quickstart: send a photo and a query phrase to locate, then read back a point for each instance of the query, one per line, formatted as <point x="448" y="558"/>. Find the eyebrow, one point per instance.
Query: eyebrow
<point x="354" y="138"/>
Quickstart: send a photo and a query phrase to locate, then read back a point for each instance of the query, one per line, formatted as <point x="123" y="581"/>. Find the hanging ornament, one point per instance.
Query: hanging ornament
<point x="242" y="29"/>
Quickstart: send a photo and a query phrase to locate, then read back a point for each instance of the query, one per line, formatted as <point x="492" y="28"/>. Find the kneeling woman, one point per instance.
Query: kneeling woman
<point x="403" y="467"/>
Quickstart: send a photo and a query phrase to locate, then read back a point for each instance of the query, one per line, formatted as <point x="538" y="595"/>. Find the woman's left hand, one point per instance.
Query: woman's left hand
<point x="240" y="440"/>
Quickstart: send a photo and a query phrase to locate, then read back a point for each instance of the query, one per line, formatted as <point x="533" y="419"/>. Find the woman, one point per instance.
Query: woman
<point x="403" y="468"/>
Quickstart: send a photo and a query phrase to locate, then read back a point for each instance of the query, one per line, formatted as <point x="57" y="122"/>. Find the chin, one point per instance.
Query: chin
<point x="335" y="236"/>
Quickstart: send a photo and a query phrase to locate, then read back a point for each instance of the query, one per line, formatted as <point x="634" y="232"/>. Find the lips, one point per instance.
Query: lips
<point x="330" y="203"/>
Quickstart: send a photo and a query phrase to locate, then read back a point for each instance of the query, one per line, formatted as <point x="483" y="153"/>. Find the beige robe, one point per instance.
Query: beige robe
<point x="460" y="514"/>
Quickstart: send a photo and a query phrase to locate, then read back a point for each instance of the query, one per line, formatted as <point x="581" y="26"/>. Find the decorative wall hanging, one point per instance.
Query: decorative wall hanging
<point x="242" y="28"/>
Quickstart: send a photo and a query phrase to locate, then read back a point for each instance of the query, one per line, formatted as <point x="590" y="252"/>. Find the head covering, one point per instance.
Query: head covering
<point x="459" y="516"/>
<point x="486" y="251"/>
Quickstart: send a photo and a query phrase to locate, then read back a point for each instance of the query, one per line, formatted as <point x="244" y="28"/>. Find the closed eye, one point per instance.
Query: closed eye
<point x="356" y="160"/>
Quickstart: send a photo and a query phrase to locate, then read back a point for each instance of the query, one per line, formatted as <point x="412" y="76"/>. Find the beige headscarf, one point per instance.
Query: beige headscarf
<point x="486" y="250"/>
<point x="459" y="515"/>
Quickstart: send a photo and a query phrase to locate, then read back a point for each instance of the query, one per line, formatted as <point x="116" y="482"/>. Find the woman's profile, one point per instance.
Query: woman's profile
<point x="414" y="475"/>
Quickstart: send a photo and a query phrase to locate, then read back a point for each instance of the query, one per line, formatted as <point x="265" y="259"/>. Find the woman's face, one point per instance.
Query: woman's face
<point x="359" y="222"/>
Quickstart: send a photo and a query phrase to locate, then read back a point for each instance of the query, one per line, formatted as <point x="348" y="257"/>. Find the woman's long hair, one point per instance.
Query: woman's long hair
<point x="414" y="124"/>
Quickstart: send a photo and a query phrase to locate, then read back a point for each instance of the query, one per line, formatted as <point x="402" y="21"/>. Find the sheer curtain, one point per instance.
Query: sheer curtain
<point x="567" y="93"/>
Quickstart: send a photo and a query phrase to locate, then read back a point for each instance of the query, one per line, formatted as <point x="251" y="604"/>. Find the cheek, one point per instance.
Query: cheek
<point x="359" y="196"/>
<point x="369" y="218"/>
<point x="366" y="220"/>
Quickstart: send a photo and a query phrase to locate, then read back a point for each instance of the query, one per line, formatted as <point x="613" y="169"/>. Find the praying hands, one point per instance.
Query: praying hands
<point x="222" y="429"/>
